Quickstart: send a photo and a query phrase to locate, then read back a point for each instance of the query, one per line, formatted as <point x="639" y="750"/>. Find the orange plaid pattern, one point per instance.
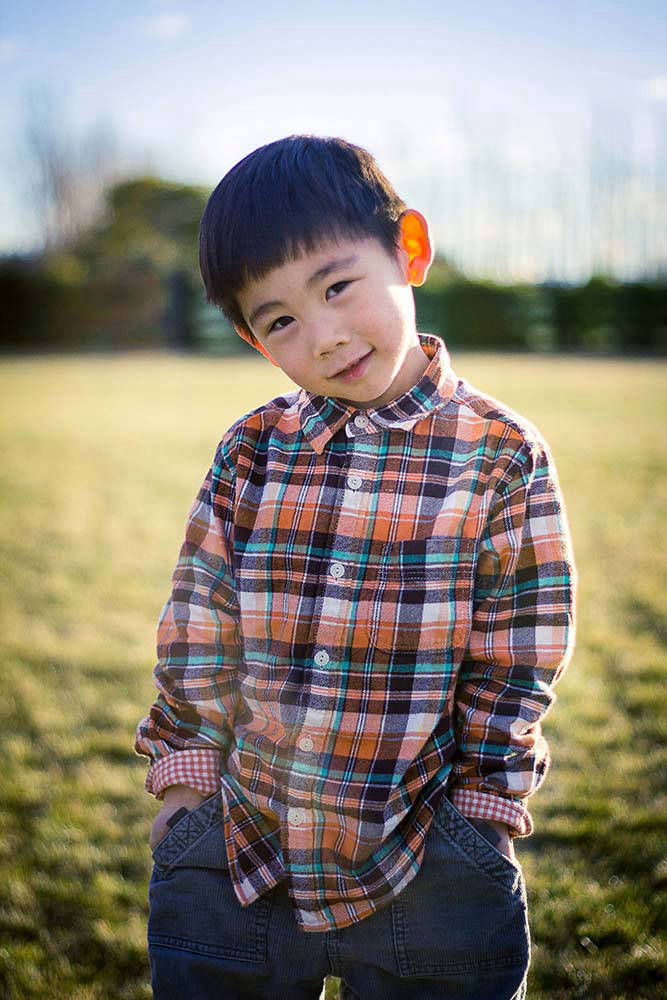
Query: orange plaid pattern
<point x="369" y="611"/>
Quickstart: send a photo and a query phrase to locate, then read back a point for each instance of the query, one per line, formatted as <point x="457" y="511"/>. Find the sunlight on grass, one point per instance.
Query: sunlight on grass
<point x="102" y="458"/>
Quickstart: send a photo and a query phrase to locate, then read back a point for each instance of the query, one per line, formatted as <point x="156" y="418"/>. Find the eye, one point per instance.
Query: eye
<point x="280" y="319"/>
<point x="339" y="286"/>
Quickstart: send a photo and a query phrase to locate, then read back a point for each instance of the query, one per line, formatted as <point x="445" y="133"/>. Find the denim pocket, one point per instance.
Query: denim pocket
<point x="189" y="842"/>
<point x="193" y="907"/>
<point x="463" y="918"/>
<point x="479" y="851"/>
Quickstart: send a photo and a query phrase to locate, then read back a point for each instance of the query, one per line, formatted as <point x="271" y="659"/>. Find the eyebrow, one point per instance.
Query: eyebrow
<point x="329" y="268"/>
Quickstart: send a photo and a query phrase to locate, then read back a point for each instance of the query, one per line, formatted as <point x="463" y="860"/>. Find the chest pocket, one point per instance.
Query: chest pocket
<point x="422" y="600"/>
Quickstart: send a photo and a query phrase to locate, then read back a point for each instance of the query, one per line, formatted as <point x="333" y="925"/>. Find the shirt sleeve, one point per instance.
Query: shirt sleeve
<point x="188" y="727"/>
<point x="522" y="639"/>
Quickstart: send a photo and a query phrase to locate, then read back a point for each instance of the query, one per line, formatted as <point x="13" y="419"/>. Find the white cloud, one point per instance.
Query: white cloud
<point x="167" y="26"/>
<point x="656" y="88"/>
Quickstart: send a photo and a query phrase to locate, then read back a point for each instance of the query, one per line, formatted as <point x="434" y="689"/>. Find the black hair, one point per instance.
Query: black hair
<point x="282" y="200"/>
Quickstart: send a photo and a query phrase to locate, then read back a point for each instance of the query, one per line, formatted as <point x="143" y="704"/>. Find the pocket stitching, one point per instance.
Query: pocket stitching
<point x="515" y="865"/>
<point x="372" y="626"/>
<point x="185" y="819"/>
<point x="260" y="921"/>
<point x="409" y="964"/>
<point x="495" y="866"/>
<point x="391" y="571"/>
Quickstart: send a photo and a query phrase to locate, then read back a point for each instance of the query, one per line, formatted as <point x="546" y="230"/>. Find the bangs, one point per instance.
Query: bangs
<point x="284" y="200"/>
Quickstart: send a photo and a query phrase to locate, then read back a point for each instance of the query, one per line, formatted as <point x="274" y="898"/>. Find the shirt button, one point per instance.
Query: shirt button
<point x="360" y="420"/>
<point x="354" y="482"/>
<point x="321" y="657"/>
<point x="295" y="817"/>
<point x="306" y="744"/>
<point x="337" y="570"/>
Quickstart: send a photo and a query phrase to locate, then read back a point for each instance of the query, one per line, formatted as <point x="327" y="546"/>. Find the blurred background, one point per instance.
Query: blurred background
<point x="534" y="138"/>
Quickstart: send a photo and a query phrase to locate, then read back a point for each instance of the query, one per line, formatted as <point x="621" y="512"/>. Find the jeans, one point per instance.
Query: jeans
<point x="459" y="929"/>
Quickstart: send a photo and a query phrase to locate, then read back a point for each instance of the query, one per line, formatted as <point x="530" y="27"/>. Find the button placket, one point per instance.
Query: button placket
<point x="352" y="501"/>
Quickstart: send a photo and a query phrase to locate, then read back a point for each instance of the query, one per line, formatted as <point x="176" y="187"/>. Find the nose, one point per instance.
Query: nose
<point x="326" y="334"/>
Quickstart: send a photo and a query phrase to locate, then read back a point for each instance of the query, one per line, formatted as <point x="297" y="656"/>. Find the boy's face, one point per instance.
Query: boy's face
<point x="348" y="300"/>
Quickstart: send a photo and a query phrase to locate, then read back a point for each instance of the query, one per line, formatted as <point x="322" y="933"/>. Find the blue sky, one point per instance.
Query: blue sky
<point x="189" y="88"/>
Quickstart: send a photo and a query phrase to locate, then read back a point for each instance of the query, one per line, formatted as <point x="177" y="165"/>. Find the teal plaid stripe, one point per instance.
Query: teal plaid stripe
<point x="362" y="620"/>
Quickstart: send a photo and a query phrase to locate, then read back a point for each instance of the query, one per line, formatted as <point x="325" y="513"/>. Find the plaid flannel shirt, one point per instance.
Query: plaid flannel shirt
<point x="369" y="611"/>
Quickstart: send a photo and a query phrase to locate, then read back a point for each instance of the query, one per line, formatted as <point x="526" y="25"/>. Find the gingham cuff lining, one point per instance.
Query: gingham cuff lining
<point x="482" y="805"/>
<point x="199" y="769"/>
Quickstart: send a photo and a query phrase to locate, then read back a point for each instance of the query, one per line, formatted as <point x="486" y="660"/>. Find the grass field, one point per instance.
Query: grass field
<point x="101" y="459"/>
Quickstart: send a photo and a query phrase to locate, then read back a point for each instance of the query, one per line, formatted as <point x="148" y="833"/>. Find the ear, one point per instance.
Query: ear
<point x="244" y="335"/>
<point x="416" y="242"/>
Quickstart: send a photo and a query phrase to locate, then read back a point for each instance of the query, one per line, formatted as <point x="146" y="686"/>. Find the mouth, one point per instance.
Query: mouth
<point x="351" y="369"/>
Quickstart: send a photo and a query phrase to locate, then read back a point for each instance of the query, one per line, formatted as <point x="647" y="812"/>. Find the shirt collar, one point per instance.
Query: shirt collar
<point x="322" y="416"/>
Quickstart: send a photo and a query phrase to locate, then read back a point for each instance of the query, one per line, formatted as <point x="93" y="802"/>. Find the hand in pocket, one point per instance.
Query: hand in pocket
<point x="176" y="797"/>
<point x="496" y="833"/>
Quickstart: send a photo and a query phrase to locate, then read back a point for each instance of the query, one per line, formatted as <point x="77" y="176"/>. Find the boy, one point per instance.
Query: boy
<point x="373" y="600"/>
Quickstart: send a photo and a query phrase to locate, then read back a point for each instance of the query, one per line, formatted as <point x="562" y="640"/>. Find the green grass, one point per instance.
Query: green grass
<point x="101" y="459"/>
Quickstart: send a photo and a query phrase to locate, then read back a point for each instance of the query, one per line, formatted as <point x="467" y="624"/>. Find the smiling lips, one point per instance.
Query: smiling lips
<point x="348" y="368"/>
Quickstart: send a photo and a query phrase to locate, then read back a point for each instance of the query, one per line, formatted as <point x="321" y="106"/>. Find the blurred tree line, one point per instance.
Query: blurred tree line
<point x="130" y="279"/>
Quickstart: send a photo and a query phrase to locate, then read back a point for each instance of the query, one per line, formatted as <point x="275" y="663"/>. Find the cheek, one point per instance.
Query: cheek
<point x="371" y="316"/>
<point x="386" y="321"/>
<point x="295" y="365"/>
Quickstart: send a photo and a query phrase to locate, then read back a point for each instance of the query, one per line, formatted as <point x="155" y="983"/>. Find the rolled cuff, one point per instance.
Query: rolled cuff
<point x="483" y="805"/>
<point x="199" y="769"/>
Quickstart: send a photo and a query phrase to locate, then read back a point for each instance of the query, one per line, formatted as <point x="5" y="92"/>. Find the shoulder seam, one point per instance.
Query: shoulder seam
<point x="524" y="427"/>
